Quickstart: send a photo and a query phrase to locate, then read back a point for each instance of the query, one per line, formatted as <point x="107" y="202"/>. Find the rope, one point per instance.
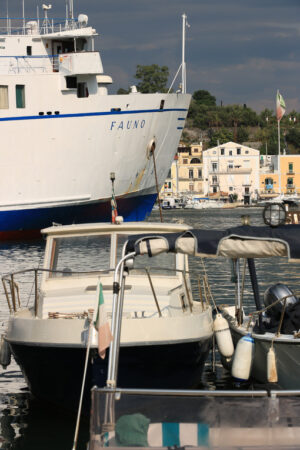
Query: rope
<point x="156" y="182"/>
<point x="90" y="318"/>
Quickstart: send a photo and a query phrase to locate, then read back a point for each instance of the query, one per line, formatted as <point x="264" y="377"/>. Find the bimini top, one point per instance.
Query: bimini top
<point x="107" y="227"/>
<point x="239" y="242"/>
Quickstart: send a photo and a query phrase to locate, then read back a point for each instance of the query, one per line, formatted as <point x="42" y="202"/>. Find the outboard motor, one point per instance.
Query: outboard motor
<point x="291" y="318"/>
<point x="276" y="292"/>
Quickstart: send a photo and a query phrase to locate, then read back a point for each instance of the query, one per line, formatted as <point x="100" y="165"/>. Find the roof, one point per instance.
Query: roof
<point x="238" y="242"/>
<point x="107" y="227"/>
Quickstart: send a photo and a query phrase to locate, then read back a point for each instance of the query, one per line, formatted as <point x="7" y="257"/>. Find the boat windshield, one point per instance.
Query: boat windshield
<point x="71" y="255"/>
<point x="164" y="263"/>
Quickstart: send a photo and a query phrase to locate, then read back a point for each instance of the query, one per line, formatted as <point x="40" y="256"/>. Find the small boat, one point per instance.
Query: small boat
<point x="166" y="336"/>
<point x="283" y="333"/>
<point x="169" y="418"/>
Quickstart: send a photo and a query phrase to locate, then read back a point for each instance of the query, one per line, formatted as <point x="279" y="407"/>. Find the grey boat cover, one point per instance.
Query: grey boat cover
<point x="238" y="242"/>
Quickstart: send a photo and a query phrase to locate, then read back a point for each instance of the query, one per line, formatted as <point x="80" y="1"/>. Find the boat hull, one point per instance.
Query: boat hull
<point x="287" y="360"/>
<point x="286" y="353"/>
<point x="54" y="374"/>
<point x="29" y="222"/>
<point x="58" y="167"/>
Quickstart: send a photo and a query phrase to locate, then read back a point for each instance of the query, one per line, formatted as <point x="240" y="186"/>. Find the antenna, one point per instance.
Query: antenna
<point x="23" y="8"/>
<point x="71" y="9"/>
<point x="46" y="21"/>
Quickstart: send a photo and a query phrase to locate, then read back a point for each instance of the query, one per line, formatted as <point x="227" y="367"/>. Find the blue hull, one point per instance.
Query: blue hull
<point x="24" y="223"/>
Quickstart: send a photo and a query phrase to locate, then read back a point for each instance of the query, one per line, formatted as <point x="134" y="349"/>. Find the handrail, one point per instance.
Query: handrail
<point x="13" y="297"/>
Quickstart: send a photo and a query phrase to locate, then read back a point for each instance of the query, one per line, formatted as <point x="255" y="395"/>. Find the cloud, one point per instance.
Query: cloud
<point x="242" y="51"/>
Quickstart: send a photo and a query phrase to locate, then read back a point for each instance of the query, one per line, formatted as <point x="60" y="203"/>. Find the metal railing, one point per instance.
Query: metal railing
<point x="12" y="289"/>
<point x="36" y="25"/>
<point x="27" y="64"/>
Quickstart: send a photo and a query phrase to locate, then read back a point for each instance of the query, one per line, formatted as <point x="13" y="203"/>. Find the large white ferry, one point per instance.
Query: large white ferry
<point x="62" y="134"/>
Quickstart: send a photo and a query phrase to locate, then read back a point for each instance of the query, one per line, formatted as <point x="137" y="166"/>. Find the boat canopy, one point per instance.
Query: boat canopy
<point x="238" y="242"/>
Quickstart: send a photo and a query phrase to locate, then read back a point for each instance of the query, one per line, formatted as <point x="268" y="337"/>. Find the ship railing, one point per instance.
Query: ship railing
<point x="197" y="290"/>
<point x="27" y="64"/>
<point x="36" y="25"/>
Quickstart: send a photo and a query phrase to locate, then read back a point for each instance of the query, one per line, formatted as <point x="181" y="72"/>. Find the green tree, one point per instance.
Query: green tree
<point x="122" y="91"/>
<point x="242" y="135"/>
<point x="269" y="139"/>
<point x="219" y="137"/>
<point x="202" y="97"/>
<point x="152" y="78"/>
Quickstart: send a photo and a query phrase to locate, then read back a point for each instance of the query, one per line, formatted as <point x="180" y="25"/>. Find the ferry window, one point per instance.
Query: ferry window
<point x="71" y="82"/>
<point x="238" y="151"/>
<point x="29" y="50"/>
<point x="3" y="97"/>
<point x="162" y="104"/>
<point x="82" y="90"/>
<point x="20" y="96"/>
<point x="222" y="151"/>
<point x="80" y="254"/>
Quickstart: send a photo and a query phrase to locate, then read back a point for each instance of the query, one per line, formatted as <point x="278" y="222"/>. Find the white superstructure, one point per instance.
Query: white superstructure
<point x="62" y="134"/>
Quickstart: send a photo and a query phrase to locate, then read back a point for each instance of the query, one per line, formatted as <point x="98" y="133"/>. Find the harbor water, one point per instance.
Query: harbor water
<point x="28" y="424"/>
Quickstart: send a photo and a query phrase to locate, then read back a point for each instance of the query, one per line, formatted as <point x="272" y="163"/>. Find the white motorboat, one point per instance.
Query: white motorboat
<point x="169" y="418"/>
<point x="166" y="336"/>
<point x="63" y="134"/>
<point x="283" y="333"/>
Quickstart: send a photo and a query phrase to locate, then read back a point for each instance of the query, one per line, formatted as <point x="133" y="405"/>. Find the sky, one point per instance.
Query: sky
<point x="241" y="51"/>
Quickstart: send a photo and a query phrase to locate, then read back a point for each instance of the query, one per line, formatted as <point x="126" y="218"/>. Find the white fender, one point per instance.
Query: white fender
<point x="271" y="366"/>
<point x="243" y="357"/>
<point x="5" y="353"/>
<point x="223" y="336"/>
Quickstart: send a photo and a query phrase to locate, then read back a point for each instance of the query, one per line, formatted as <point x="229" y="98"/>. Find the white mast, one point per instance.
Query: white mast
<point x="71" y="12"/>
<point x="23" y="7"/>
<point x="183" y="66"/>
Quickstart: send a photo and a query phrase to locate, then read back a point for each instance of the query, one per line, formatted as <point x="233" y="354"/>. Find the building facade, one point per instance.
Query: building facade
<point x="279" y="178"/>
<point x="185" y="176"/>
<point x="231" y="171"/>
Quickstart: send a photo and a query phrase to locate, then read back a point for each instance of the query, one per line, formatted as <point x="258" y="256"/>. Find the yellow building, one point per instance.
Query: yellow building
<point x="185" y="175"/>
<point x="274" y="182"/>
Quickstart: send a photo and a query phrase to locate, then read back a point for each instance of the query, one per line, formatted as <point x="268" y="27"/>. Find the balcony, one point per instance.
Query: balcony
<point x="234" y="170"/>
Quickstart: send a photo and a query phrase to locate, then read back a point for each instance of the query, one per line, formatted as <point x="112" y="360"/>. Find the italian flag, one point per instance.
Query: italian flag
<point x="280" y="106"/>
<point x="101" y="324"/>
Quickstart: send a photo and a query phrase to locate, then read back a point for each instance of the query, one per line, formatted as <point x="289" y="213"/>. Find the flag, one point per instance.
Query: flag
<point x="280" y="106"/>
<point x="101" y="324"/>
<point x="114" y="211"/>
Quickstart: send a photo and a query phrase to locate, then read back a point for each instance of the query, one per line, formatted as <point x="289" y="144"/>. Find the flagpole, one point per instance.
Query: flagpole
<point x="279" y="168"/>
